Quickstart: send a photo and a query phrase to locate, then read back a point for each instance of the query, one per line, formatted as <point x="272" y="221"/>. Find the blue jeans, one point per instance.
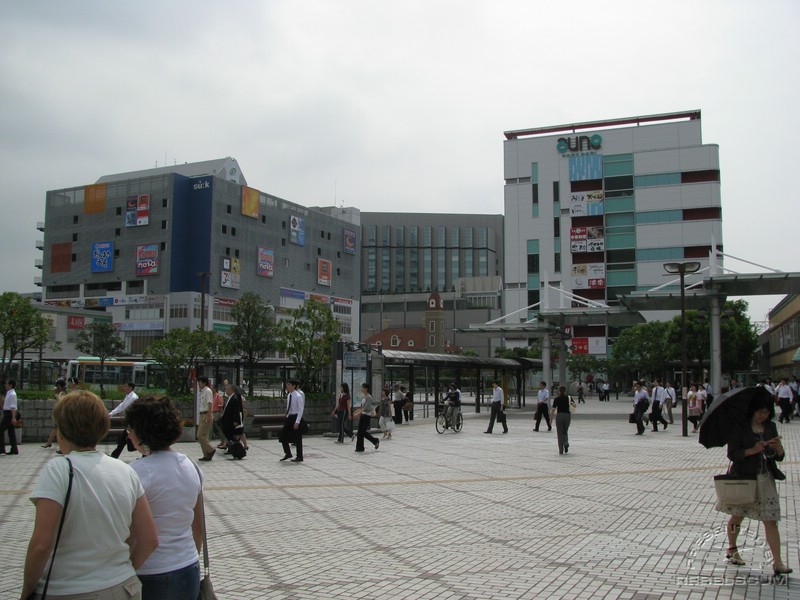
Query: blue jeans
<point x="182" y="584"/>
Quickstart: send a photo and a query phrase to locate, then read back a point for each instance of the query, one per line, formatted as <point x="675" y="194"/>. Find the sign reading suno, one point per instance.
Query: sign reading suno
<point x="579" y="143"/>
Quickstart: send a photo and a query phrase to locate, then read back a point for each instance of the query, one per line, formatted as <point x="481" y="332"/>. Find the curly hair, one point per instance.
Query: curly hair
<point x="156" y="421"/>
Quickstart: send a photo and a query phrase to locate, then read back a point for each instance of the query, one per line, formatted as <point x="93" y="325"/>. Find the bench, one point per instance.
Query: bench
<point x="269" y="424"/>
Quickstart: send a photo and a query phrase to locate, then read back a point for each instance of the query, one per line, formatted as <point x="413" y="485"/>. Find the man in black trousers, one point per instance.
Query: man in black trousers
<point x="292" y="430"/>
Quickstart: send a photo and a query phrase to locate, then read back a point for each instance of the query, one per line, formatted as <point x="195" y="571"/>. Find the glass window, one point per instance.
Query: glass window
<point x="399" y="236"/>
<point x="372" y="233"/>
<point x="386" y="265"/>
<point x="372" y="268"/>
<point x="468" y="237"/>
<point x="386" y="235"/>
<point x="657" y="179"/>
<point x="413" y="236"/>
<point x="454" y="237"/>
<point x="483" y="237"/>
<point x="533" y="263"/>
<point x="483" y="263"/>
<point x="427" y="236"/>
<point x="413" y="268"/>
<point x="427" y="270"/>
<point x="399" y="272"/>
<point x="441" y="236"/>
<point x="659" y="254"/>
<point x="441" y="269"/>
<point x="454" y="266"/>
<point x="659" y="216"/>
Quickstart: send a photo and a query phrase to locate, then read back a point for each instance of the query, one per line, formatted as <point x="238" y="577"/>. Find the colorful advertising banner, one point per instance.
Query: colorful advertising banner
<point x="137" y="210"/>
<point x="265" y="264"/>
<point x="586" y="239"/>
<point x="297" y="232"/>
<point x="595" y="239"/>
<point x="589" y="345"/>
<point x="349" y="241"/>
<point x="229" y="274"/>
<point x="588" y="276"/>
<point x="577" y="239"/>
<point x="249" y="202"/>
<point x="147" y="259"/>
<point x="324" y="271"/>
<point x="76" y="322"/>
<point x="586" y="204"/>
<point x="102" y="257"/>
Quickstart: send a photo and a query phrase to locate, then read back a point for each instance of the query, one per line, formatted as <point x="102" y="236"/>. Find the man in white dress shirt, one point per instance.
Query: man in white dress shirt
<point x="130" y="398"/>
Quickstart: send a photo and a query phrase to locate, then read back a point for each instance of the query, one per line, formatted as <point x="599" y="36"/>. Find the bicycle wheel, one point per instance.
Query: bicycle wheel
<point x="459" y="422"/>
<point x="441" y="424"/>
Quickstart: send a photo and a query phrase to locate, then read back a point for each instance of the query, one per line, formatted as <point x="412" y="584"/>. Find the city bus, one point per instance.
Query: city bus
<point x="33" y="372"/>
<point x="146" y="374"/>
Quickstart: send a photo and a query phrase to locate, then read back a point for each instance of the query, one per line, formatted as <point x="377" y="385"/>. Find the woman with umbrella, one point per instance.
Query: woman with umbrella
<point x="753" y="447"/>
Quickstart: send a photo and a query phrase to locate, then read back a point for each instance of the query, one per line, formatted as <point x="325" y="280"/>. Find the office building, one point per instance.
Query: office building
<point x="407" y="256"/>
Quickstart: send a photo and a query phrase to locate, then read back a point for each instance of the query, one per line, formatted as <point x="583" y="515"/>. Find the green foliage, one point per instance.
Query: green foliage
<point x="253" y="335"/>
<point x="580" y="365"/>
<point x="738" y="338"/>
<point x="308" y="338"/>
<point x="650" y="349"/>
<point x="22" y="326"/>
<point x="641" y="352"/>
<point x="181" y="351"/>
<point x="100" y="339"/>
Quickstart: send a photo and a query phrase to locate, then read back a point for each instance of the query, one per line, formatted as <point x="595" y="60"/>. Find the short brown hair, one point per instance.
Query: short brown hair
<point x="81" y="418"/>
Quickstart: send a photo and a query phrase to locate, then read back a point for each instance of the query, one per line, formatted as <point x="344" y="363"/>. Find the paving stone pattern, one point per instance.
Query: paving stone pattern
<point x="467" y="515"/>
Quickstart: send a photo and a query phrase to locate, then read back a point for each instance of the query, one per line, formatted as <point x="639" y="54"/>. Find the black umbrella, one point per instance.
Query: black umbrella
<point x="728" y="414"/>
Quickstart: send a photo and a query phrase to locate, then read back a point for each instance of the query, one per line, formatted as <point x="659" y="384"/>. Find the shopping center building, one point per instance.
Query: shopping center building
<point x="177" y="246"/>
<point x="596" y="209"/>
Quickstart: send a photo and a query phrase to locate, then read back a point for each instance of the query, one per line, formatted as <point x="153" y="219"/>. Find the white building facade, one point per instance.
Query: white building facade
<point x="598" y="208"/>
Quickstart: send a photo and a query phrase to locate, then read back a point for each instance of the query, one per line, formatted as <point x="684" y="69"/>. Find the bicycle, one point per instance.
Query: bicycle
<point x="443" y="423"/>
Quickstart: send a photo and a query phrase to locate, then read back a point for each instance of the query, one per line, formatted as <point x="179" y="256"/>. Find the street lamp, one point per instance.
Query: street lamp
<point x="681" y="269"/>
<point x="204" y="276"/>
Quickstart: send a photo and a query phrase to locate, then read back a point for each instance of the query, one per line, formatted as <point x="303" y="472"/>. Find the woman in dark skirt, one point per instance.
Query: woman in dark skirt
<point x="753" y="451"/>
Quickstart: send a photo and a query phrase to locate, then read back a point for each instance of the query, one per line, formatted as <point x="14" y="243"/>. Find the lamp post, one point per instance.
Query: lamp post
<point x="681" y="269"/>
<point x="203" y="285"/>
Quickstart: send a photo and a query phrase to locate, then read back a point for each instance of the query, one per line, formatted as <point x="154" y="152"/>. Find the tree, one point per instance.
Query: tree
<point x="253" y="335"/>
<point x="578" y="364"/>
<point x="738" y="338"/>
<point x="181" y="351"/>
<point x="641" y="351"/>
<point x="100" y="339"/>
<point x="308" y="338"/>
<point x="22" y="326"/>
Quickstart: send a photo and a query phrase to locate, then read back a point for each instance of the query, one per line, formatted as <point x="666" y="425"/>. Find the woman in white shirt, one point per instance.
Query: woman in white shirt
<point x="172" y="483"/>
<point x="107" y="507"/>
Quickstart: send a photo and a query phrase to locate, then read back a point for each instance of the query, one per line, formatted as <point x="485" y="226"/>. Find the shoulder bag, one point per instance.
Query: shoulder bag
<point x="736" y="490"/>
<point x="206" y="589"/>
<point x="58" y="535"/>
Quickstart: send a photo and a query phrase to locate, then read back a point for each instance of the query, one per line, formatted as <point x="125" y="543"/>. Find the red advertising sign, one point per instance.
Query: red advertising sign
<point x="76" y="322"/>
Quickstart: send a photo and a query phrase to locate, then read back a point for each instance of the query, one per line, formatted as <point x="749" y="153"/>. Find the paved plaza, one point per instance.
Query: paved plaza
<point x="467" y="515"/>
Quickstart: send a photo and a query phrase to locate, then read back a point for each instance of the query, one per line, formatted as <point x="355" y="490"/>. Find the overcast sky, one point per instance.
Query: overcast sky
<point x="388" y="105"/>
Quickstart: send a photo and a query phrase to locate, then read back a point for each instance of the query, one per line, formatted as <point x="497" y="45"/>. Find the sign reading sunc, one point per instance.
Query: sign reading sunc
<point x="579" y="143"/>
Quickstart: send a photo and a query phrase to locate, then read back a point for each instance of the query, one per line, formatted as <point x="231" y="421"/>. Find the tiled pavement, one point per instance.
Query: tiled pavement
<point x="467" y="515"/>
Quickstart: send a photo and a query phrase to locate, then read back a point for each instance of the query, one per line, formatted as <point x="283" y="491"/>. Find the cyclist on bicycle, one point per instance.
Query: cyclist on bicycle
<point x="453" y="403"/>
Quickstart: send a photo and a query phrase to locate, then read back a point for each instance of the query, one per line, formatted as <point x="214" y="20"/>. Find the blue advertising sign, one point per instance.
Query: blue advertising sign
<point x="102" y="257"/>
